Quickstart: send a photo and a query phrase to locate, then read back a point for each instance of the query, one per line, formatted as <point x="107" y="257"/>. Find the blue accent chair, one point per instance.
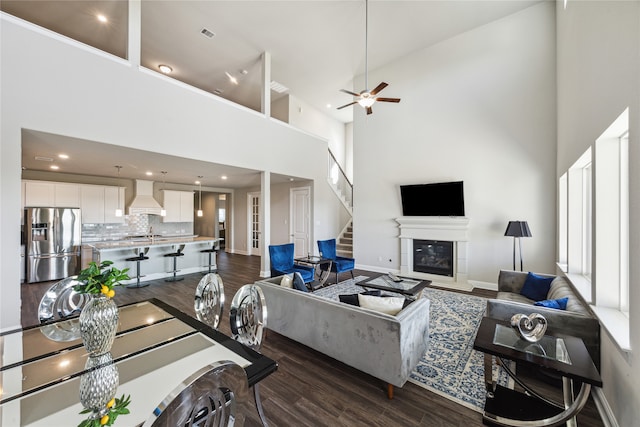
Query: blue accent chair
<point x="340" y="264"/>
<point x="282" y="262"/>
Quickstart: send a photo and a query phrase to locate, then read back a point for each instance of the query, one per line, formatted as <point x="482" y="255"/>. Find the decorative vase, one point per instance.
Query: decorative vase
<point x="99" y="384"/>
<point x="98" y="324"/>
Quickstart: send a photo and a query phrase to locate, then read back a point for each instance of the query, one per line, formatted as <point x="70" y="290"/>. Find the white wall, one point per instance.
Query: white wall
<point x="304" y="116"/>
<point x="479" y="107"/>
<point x="598" y="77"/>
<point x="50" y="84"/>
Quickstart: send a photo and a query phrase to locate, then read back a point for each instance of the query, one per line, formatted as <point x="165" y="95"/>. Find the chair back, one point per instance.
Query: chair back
<point x="216" y="395"/>
<point x="248" y="316"/>
<point x="209" y="300"/>
<point x="327" y="248"/>
<point x="61" y="301"/>
<point x="281" y="256"/>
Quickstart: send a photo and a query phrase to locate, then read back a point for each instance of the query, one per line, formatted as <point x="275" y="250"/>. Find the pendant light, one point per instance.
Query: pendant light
<point x="199" y="213"/>
<point x="163" y="211"/>
<point x="118" y="209"/>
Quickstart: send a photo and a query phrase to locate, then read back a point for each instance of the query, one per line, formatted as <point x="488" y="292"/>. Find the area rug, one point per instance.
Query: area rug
<point x="450" y="367"/>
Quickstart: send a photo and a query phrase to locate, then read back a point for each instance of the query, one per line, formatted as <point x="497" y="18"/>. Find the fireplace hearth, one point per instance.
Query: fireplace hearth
<point x="433" y="257"/>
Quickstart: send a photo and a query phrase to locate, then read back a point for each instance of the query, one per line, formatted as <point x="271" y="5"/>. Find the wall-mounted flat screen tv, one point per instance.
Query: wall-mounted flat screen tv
<point x="438" y="199"/>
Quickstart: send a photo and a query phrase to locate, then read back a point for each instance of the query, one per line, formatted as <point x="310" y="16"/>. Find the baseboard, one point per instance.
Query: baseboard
<point x="484" y="285"/>
<point x="238" y="251"/>
<point x="376" y="269"/>
<point x="605" y="411"/>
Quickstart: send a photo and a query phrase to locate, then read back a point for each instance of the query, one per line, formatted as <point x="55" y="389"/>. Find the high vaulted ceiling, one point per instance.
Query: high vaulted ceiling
<point x="316" y="47"/>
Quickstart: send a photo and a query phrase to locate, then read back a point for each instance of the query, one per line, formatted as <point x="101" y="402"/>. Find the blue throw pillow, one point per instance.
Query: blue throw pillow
<point x="536" y="287"/>
<point x="560" y="303"/>
<point x="298" y="282"/>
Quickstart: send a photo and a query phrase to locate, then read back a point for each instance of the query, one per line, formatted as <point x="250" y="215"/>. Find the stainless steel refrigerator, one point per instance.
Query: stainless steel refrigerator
<point x="53" y="243"/>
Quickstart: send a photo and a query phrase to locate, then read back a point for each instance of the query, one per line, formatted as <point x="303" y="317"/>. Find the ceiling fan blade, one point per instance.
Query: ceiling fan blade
<point x="349" y="92"/>
<point x="369" y="110"/>
<point x="388" y="99"/>
<point x="378" y="88"/>
<point x="346" y="105"/>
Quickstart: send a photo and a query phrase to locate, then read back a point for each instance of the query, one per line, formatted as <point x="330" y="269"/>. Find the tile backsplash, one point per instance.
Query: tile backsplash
<point x="135" y="225"/>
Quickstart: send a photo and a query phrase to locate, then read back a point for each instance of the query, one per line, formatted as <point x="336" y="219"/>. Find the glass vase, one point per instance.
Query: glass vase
<point x="98" y="324"/>
<point x="99" y="384"/>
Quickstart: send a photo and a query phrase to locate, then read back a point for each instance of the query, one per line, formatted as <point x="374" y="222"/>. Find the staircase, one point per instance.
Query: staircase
<point x="343" y="189"/>
<point x="344" y="243"/>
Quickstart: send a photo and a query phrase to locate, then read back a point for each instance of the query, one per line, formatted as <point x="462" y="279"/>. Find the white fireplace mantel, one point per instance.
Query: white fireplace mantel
<point x="454" y="229"/>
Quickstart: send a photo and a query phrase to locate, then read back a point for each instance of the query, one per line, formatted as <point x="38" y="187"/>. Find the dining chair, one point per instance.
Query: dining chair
<point x="340" y="264"/>
<point x="215" y="395"/>
<point x="248" y="320"/>
<point x="61" y="301"/>
<point x="209" y="300"/>
<point x="282" y="262"/>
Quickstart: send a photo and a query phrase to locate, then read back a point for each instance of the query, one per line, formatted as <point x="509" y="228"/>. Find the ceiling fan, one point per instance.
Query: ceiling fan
<point x="367" y="98"/>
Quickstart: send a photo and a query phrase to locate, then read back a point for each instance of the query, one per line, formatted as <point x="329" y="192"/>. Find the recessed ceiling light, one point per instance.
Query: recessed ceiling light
<point x="63" y="156"/>
<point x="165" y="69"/>
<point x="149" y="173"/>
<point x="54" y="167"/>
<point x="244" y="72"/>
<point x="102" y="18"/>
<point x="328" y="105"/>
<point x="231" y="78"/>
<point x="197" y="182"/>
<point x="224" y="177"/>
<point x="290" y="179"/>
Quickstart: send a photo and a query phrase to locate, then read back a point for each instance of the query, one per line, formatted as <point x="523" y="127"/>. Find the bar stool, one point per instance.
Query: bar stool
<point x="175" y="256"/>
<point x="210" y="251"/>
<point x="141" y="257"/>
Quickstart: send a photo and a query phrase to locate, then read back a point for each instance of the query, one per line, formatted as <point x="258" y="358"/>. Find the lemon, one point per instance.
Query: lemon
<point x="104" y="420"/>
<point x="104" y="289"/>
<point x="111" y="403"/>
<point x="111" y="293"/>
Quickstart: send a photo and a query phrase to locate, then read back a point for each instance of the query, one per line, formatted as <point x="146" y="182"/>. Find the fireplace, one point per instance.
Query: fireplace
<point x="452" y="233"/>
<point x="433" y="257"/>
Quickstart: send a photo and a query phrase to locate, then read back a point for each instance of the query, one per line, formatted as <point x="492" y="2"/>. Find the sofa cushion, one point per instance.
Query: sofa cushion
<point x="559" y="304"/>
<point x="561" y="289"/>
<point x="298" y="282"/>
<point x="286" y="281"/>
<point x="387" y="305"/>
<point x="536" y="287"/>
<point x="510" y="296"/>
<point x="352" y="299"/>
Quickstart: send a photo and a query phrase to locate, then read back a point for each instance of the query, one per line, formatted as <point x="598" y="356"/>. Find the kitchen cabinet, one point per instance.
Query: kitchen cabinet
<point x="51" y="194"/>
<point x="99" y="204"/>
<point x="179" y="206"/>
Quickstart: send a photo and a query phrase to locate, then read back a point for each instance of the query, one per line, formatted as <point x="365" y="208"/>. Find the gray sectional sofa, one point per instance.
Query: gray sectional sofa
<point x="576" y="320"/>
<point x="384" y="346"/>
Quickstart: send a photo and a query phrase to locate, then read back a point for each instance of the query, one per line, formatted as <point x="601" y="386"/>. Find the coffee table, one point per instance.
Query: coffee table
<point x="563" y="354"/>
<point x="316" y="262"/>
<point x="409" y="287"/>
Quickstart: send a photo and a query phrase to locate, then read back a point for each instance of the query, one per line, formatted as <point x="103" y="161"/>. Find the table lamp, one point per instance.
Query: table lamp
<point x="517" y="229"/>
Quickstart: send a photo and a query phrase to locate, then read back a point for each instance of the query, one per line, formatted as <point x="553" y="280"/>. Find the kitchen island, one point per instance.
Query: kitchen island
<point x="157" y="266"/>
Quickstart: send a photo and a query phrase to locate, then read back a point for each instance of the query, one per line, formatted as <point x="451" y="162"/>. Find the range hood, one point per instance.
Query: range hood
<point x="143" y="202"/>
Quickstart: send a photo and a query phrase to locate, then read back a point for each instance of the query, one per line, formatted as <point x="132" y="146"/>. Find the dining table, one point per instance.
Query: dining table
<point x="156" y="347"/>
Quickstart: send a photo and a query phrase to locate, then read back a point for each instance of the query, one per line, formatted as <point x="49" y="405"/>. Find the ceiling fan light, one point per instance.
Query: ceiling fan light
<point x="366" y="102"/>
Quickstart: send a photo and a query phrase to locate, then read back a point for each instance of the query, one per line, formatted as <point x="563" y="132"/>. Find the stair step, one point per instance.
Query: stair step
<point x="346" y="241"/>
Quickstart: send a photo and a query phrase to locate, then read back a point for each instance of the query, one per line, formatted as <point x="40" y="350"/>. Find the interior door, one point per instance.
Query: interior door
<point x="300" y="220"/>
<point x="253" y="221"/>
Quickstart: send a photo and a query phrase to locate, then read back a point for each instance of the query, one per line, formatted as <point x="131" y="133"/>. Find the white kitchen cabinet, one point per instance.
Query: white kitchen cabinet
<point x="99" y="204"/>
<point x="51" y="194"/>
<point x="179" y="206"/>
<point x="39" y="194"/>
<point x="113" y="199"/>
<point x="66" y="195"/>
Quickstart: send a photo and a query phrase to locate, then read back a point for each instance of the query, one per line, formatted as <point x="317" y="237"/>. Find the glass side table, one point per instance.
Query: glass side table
<point x="565" y="355"/>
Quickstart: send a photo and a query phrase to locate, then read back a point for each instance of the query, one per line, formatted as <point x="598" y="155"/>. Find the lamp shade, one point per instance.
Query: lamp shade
<point x="518" y="229"/>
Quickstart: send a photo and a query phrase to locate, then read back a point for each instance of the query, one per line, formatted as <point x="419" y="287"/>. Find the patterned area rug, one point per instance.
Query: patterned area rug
<point x="451" y="367"/>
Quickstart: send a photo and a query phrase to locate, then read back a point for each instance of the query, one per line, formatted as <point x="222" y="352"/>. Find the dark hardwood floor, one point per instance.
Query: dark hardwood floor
<point x="309" y="388"/>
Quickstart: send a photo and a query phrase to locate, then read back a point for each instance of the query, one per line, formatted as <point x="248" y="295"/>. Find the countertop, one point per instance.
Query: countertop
<point x="148" y="242"/>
